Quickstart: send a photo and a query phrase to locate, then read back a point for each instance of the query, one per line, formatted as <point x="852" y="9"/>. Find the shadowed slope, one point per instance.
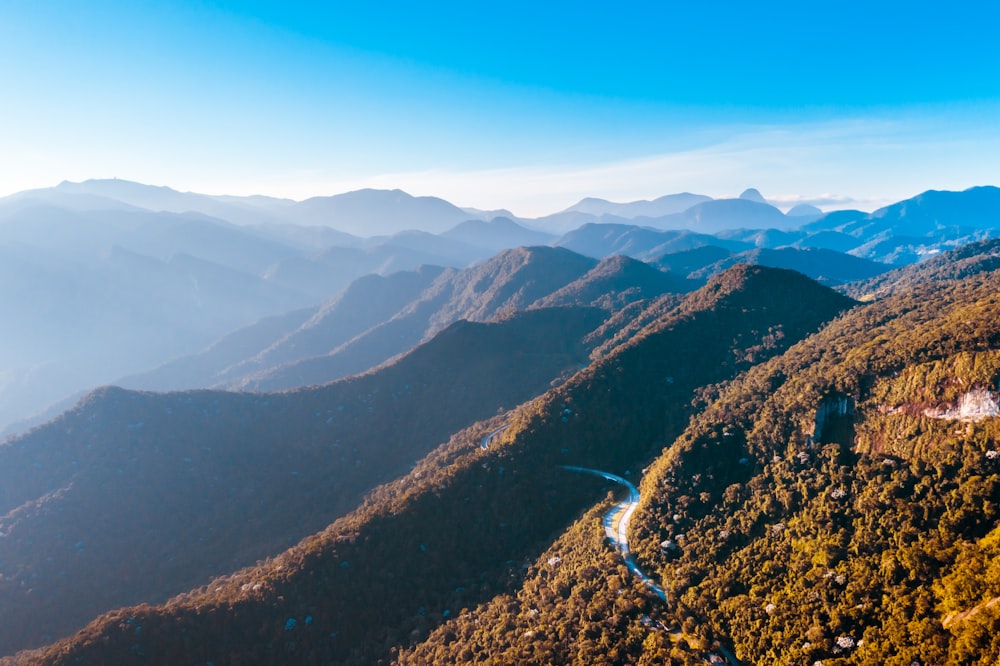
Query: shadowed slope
<point x="134" y="497"/>
<point x="446" y="536"/>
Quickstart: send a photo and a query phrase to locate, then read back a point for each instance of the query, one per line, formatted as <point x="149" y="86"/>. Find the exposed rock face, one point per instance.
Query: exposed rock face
<point x="976" y="405"/>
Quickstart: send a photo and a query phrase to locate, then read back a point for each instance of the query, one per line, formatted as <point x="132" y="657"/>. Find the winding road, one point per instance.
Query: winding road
<point x="616" y="523"/>
<point x="491" y="437"/>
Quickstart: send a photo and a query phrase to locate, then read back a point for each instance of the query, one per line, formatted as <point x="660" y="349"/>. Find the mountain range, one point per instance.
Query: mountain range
<point x="325" y="447"/>
<point x="144" y="276"/>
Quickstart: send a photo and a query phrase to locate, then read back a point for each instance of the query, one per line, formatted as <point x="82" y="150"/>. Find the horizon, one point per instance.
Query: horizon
<point x="525" y="108"/>
<point x="827" y="205"/>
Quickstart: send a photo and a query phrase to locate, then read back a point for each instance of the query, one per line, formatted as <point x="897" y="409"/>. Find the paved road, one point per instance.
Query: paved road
<point x="616" y="523"/>
<point x="491" y="437"/>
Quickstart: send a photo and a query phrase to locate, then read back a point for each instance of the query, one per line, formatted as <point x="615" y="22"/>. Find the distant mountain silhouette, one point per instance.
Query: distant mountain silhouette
<point x="804" y="210"/>
<point x="239" y="210"/>
<point x="125" y="310"/>
<point x="497" y="234"/>
<point x="722" y="214"/>
<point x="960" y="263"/>
<point x="665" y="205"/>
<point x="825" y="266"/>
<point x="366" y="303"/>
<point x="604" y="240"/>
<point x="369" y="212"/>
<point x="910" y="230"/>
<point x="753" y="194"/>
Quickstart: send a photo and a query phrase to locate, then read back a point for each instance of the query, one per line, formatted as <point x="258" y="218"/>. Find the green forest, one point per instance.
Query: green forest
<point x="820" y="484"/>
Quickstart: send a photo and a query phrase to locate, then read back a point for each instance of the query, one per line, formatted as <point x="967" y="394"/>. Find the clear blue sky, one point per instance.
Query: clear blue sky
<point x="530" y="106"/>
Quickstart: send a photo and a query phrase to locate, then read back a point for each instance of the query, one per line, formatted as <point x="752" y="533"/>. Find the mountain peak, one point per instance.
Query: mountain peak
<point x="753" y="194"/>
<point x="804" y="210"/>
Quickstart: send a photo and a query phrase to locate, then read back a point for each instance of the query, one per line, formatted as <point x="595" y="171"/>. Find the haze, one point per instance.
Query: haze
<point x="517" y="106"/>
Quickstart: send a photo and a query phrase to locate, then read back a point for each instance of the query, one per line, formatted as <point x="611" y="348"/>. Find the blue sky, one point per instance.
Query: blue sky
<point x="529" y="106"/>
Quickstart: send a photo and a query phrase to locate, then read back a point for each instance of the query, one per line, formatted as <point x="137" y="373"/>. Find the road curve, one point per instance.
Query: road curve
<point x="616" y="523"/>
<point x="491" y="437"/>
<point x="616" y="527"/>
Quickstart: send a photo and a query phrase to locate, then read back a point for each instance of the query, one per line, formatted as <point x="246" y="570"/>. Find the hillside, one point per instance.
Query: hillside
<point x="614" y="283"/>
<point x="510" y="281"/>
<point x="367" y="302"/>
<point x="831" y="504"/>
<point x="834" y="504"/>
<point x="452" y="533"/>
<point x="605" y="240"/>
<point x="134" y="497"/>
<point x="825" y="266"/>
<point x="968" y="260"/>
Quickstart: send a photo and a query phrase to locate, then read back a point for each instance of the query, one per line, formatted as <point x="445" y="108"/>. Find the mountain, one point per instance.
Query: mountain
<point x="771" y="535"/>
<point x="685" y="262"/>
<point x="825" y="266"/>
<point x="374" y="317"/>
<point x="848" y="510"/>
<point x="454" y="531"/>
<point x="510" y="281"/>
<point x="125" y="310"/>
<point x="721" y="214"/>
<point x="370" y="212"/>
<point x="134" y="497"/>
<point x="966" y="261"/>
<point x="804" y="210"/>
<point x="159" y="262"/>
<point x="665" y="205"/>
<point x="763" y="238"/>
<point x="499" y="233"/>
<point x="273" y="341"/>
<point x="605" y="240"/>
<point x="934" y="211"/>
<point x="366" y="303"/>
<point x="488" y="215"/>
<point x="240" y="210"/>
<point x="614" y="283"/>
<point x="913" y="229"/>
<point x="753" y="194"/>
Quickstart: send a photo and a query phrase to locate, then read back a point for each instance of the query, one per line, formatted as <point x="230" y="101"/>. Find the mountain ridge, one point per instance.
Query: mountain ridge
<point x="566" y="420"/>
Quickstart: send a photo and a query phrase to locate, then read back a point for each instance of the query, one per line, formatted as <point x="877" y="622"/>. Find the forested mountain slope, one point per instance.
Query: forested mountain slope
<point x="367" y="302"/>
<point x="454" y="531"/>
<point x="840" y="502"/>
<point x="964" y="261"/>
<point x="836" y="504"/>
<point x="510" y="281"/>
<point x="615" y="282"/>
<point x="825" y="266"/>
<point x="133" y="497"/>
